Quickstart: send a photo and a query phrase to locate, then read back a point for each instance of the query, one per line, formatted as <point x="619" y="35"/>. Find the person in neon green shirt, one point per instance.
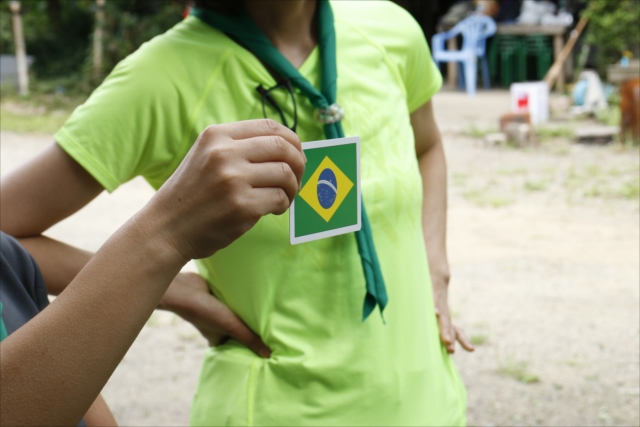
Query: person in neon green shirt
<point x="327" y="367"/>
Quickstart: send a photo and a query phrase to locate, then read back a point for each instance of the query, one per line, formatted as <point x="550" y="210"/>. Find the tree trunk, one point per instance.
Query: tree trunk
<point x="97" y="40"/>
<point x="21" y="54"/>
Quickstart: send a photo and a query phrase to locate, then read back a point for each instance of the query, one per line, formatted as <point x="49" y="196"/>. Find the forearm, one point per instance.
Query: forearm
<point x="99" y="414"/>
<point x="58" y="262"/>
<point x="33" y="197"/>
<point x="433" y="169"/>
<point x="73" y="346"/>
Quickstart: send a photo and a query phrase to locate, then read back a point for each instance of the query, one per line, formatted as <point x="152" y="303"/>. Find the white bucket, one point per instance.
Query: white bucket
<point x="532" y="98"/>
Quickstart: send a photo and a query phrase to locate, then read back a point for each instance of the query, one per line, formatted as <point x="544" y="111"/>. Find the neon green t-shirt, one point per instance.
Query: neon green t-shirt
<point x="305" y="301"/>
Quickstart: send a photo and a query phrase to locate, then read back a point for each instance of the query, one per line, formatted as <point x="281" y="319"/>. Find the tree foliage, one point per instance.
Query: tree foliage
<point x="58" y="34"/>
<point x="614" y="27"/>
<point x="130" y="23"/>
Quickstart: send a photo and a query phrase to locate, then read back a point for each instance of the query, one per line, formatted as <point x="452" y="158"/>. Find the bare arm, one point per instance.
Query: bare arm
<point x="433" y="169"/>
<point x="53" y="368"/>
<point x="39" y="194"/>
<point x="51" y="187"/>
<point x="60" y="263"/>
<point x="99" y="414"/>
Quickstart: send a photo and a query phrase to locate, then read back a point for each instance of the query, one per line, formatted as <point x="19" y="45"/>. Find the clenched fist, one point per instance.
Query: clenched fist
<point x="233" y="175"/>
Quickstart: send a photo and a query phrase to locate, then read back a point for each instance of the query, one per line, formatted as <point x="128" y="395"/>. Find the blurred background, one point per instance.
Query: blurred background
<point x="541" y="134"/>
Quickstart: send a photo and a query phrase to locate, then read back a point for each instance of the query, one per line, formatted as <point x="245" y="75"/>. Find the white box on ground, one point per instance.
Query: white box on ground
<point x="531" y="97"/>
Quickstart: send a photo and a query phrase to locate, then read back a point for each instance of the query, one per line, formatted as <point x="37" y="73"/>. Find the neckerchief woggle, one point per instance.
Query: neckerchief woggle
<point x="243" y="29"/>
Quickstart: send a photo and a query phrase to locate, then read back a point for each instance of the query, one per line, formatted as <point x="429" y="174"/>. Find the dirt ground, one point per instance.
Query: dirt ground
<point x="544" y="249"/>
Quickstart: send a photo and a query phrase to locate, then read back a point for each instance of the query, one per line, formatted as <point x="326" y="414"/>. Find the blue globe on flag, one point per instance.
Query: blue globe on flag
<point x="327" y="188"/>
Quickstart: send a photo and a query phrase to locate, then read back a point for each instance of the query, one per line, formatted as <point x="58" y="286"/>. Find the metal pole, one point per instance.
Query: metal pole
<point x="21" y="55"/>
<point x="97" y="39"/>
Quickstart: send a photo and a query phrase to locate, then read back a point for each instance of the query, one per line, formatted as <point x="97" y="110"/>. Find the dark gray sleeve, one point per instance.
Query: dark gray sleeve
<point x="22" y="290"/>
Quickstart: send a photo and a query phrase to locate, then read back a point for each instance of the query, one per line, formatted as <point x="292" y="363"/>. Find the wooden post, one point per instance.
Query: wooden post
<point x="21" y="55"/>
<point x="558" y="43"/>
<point x="556" y="72"/>
<point x="97" y="40"/>
<point x="452" y="67"/>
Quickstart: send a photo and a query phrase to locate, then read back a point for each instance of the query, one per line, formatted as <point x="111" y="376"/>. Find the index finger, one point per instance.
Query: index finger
<point x="463" y="340"/>
<point x="261" y="127"/>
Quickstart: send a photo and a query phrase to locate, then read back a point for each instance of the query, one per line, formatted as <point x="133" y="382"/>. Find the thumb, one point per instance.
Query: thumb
<point x="239" y="331"/>
<point x="444" y="324"/>
<point x="217" y="315"/>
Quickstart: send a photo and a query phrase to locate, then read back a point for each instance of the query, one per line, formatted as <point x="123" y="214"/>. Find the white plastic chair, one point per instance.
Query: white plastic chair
<point x="475" y="31"/>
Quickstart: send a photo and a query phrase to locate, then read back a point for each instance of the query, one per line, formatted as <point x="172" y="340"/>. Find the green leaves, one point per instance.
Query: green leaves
<point x="613" y="28"/>
<point x="58" y="34"/>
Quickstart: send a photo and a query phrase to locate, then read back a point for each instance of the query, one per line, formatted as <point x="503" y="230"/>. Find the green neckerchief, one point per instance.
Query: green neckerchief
<point x="244" y="30"/>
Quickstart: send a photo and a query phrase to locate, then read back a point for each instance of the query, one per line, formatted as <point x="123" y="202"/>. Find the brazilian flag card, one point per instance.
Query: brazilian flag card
<point x="329" y="202"/>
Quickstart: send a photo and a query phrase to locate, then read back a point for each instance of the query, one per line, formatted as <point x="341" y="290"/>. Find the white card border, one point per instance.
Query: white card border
<point x="338" y="231"/>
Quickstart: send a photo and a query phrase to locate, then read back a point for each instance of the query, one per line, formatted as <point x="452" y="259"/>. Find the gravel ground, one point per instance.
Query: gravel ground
<point x="544" y="248"/>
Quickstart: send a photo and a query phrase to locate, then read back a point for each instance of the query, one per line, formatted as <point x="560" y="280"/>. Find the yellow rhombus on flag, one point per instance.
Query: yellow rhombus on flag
<point x="309" y="192"/>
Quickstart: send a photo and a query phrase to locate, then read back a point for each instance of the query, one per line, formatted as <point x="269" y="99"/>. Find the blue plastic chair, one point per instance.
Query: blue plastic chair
<point x="475" y="31"/>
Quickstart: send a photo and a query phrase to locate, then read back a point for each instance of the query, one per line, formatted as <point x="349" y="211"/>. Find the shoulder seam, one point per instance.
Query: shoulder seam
<point x="387" y="60"/>
<point x="183" y="147"/>
<point x="105" y="178"/>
